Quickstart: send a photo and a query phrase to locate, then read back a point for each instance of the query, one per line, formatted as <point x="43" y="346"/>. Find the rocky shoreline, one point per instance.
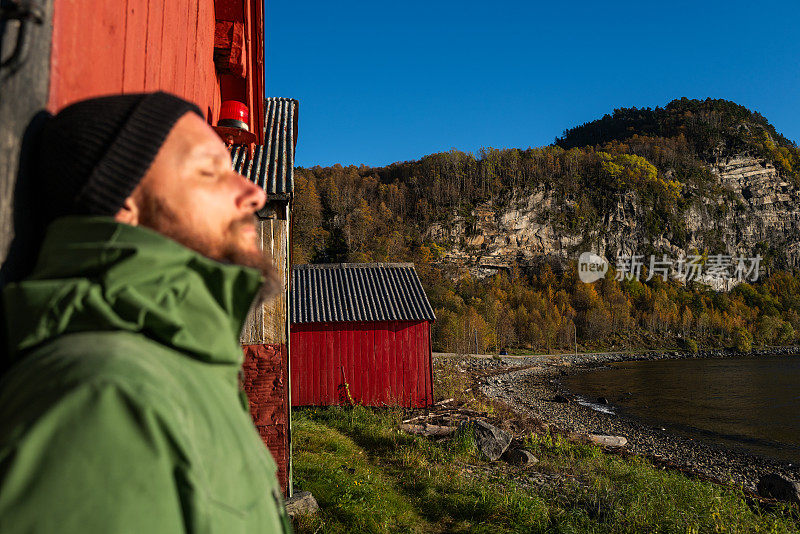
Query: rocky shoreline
<point x="530" y="384"/>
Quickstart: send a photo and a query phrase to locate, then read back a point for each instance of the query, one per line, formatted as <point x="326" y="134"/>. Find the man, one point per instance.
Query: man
<point x="122" y="411"/>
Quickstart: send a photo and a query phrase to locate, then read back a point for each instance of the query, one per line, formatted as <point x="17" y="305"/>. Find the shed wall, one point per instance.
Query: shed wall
<point x="268" y="323"/>
<point x="264" y="338"/>
<point x="130" y="46"/>
<point x="383" y="363"/>
<point x="264" y="380"/>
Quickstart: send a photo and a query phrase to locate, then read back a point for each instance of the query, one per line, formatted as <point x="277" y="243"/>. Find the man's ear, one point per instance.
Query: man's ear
<point x="128" y="213"/>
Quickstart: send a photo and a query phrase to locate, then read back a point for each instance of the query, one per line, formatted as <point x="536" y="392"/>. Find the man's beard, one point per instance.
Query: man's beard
<point x="155" y="214"/>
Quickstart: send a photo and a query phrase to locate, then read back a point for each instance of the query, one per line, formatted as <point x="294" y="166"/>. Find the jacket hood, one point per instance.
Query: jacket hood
<point x="95" y="274"/>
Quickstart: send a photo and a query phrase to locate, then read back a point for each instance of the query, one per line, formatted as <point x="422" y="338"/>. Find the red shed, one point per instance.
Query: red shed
<point x="360" y="334"/>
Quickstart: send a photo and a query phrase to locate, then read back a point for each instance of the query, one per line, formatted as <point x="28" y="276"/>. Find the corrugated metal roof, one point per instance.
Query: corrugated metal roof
<point x="338" y="292"/>
<point x="272" y="164"/>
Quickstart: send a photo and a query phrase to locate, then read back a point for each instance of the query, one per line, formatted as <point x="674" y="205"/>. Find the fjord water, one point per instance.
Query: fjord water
<point x="743" y="403"/>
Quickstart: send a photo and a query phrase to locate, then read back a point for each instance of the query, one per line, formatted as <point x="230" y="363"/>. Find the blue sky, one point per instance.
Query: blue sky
<point x="380" y="82"/>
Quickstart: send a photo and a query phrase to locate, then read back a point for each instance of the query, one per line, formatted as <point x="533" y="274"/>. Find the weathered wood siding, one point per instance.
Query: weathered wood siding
<point x="266" y="348"/>
<point x="269" y="323"/>
<point x="22" y="95"/>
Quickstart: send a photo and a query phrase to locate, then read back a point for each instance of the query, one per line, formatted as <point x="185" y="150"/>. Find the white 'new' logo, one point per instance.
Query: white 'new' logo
<point x="591" y="267"/>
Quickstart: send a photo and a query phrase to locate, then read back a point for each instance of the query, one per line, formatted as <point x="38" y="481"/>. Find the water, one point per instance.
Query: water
<point x="749" y="403"/>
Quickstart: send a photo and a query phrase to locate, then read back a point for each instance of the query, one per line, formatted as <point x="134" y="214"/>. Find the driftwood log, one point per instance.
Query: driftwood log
<point x="428" y="430"/>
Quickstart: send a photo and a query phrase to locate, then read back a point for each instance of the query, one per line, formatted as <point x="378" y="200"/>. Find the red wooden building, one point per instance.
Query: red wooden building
<point x="360" y="334"/>
<point x="207" y="51"/>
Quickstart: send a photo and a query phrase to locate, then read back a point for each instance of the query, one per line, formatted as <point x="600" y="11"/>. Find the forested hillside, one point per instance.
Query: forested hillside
<point x="495" y="234"/>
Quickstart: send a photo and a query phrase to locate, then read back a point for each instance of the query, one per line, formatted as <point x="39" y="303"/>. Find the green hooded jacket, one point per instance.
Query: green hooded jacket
<point x="123" y="412"/>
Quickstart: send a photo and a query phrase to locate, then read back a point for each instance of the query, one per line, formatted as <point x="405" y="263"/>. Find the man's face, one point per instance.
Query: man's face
<point x="191" y="194"/>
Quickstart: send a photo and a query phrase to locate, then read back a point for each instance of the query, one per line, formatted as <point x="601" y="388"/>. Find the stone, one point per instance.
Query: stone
<point x="490" y="440"/>
<point x="775" y="486"/>
<point x="560" y="398"/>
<point x="520" y="457"/>
<point x="301" y="503"/>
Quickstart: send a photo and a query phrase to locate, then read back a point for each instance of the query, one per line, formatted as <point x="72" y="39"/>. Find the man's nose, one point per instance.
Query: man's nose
<point x="251" y="198"/>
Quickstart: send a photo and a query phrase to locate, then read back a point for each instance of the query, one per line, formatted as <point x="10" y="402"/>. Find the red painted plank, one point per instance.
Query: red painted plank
<point x="411" y="362"/>
<point x="428" y="362"/>
<point x="153" y="45"/>
<point x="333" y="368"/>
<point x="206" y="80"/>
<point x="402" y="366"/>
<point x="322" y="362"/>
<point x="395" y="362"/>
<point x="425" y="354"/>
<point x="195" y="40"/>
<point x="350" y="366"/>
<point x="319" y="362"/>
<point x="413" y="365"/>
<point x="314" y="364"/>
<point x="347" y="357"/>
<point x="331" y="385"/>
<point x="402" y="362"/>
<point x="297" y="364"/>
<point x="359" y="370"/>
<point x="329" y="396"/>
<point x="402" y="386"/>
<point x="173" y="35"/>
<point x="307" y="380"/>
<point x="135" y="41"/>
<point x="306" y="355"/>
<point x="338" y="378"/>
<point x="303" y="357"/>
<point x="424" y="359"/>
<point x="384" y="362"/>
<point x="369" y="346"/>
<point x="294" y="343"/>
<point x="390" y="362"/>
<point x="377" y="359"/>
<point x="372" y="378"/>
<point x="185" y="38"/>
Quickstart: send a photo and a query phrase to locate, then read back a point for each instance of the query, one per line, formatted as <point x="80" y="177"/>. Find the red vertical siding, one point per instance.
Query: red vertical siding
<point x="125" y="46"/>
<point x="384" y="363"/>
<point x="330" y="366"/>
<point x="359" y="371"/>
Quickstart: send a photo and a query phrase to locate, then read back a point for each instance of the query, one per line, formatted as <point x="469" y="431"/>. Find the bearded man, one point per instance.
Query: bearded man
<point x="122" y="411"/>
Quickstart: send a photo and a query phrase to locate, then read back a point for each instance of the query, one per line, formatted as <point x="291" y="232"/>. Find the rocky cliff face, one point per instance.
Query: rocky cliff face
<point x="760" y="211"/>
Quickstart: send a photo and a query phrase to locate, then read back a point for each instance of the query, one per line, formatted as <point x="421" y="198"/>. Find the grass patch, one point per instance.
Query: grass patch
<point x="369" y="477"/>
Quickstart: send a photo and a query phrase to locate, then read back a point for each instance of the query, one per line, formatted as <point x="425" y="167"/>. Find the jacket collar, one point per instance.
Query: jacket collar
<point x="96" y="274"/>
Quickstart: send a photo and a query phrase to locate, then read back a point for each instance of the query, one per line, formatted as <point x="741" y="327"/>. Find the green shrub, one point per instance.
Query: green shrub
<point x="742" y="340"/>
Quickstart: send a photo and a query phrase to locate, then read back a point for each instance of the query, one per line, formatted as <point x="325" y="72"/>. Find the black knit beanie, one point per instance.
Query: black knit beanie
<point x="93" y="153"/>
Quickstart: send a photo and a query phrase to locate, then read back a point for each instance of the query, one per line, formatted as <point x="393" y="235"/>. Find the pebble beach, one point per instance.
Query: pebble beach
<point x="534" y="386"/>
